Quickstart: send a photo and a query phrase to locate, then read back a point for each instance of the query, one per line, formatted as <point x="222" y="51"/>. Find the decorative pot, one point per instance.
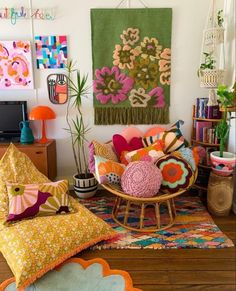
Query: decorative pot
<point x="223" y="166"/>
<point x="85" y="186"/>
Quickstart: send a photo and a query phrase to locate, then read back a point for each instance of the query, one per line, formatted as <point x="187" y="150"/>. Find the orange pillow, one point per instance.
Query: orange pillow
<point x="154" y="131"/>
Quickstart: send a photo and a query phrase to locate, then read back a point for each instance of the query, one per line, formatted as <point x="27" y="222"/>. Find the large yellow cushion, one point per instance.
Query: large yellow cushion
<point x="34" y="246"/>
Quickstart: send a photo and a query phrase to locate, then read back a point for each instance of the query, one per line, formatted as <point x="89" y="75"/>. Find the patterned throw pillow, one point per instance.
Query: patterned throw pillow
<point x="149" y="154"/>
<point x="37" y="199"/>
<point x="186" y="154"/>
<point x="176" y="172"/>
<point x="108" y="171"/>
<point x="104" y="150"/>
<point x="172" y="138"/>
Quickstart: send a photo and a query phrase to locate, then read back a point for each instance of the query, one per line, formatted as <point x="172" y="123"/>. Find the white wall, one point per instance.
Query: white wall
<point x="72" y="19"/>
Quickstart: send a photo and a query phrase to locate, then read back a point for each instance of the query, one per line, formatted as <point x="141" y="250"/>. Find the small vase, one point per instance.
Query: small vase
<point x="26" y="136"/>
<point x="85" y="187"/>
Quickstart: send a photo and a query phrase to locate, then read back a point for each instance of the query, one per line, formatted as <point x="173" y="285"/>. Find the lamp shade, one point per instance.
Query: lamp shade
<point x="42" y="113"/>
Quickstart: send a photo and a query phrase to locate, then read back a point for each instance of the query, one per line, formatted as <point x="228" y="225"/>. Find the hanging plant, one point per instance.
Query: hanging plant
<point x="220" y="18"/>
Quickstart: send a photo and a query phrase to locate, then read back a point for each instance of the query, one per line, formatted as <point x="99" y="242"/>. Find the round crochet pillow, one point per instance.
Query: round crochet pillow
<point x="141" y="179"/>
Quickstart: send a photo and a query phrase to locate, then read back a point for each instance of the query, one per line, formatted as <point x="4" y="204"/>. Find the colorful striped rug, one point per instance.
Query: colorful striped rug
<point x="194" y="227"/>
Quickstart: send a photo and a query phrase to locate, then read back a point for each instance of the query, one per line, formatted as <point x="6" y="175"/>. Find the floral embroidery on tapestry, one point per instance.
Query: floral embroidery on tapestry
<point x="136" y="75"/>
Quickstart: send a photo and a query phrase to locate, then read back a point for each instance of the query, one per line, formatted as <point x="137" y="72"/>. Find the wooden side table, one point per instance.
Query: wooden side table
<point x="219" y="194"/>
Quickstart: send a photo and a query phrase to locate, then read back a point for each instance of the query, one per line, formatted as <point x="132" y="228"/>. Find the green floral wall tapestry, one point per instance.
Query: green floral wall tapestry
<point x="131" y="51"/>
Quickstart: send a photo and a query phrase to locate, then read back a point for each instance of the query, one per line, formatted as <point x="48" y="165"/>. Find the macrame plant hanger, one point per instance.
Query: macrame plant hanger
<point x="212" y="66"/>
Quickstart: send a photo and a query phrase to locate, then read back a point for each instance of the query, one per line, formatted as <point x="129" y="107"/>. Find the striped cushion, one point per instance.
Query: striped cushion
<point x="172" y="138"/>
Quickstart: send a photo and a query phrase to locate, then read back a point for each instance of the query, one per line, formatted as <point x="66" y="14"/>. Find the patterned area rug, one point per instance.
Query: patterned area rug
<point x="194" y="227"/>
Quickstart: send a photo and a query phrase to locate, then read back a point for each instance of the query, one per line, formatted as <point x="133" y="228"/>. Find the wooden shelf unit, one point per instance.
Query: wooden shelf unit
<point x="42" y="155"/>
<point x="205" y="143"/>
<point x="205" y="169"/>
<point x="206" y="119"/>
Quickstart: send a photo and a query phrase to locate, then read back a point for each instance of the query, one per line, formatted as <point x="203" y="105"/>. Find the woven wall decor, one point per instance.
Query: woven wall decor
<point x="131" y="51"/>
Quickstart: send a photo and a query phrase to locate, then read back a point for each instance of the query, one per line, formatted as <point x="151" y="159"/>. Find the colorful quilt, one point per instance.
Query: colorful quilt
<point x="194" y="227"/>
<point x="131" y="51"/>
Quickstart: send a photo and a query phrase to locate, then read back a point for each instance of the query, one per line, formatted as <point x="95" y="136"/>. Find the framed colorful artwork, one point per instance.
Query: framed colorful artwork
<point x="57" y="88"/>
<point x="51" y="51"/>
<point x="16" y="65"/>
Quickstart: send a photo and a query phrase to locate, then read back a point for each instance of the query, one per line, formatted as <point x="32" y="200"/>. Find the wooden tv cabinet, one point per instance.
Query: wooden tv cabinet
<point x="42" y="155"/>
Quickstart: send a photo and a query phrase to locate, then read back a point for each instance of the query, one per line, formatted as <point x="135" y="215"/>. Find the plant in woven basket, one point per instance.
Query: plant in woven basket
<point x="208" y="64"/>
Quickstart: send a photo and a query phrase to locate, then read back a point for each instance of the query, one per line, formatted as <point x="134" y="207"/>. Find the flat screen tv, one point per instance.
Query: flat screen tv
<point x="11" y="114"/>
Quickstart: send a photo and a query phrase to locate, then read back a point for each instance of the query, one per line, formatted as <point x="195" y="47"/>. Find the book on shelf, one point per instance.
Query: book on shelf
<point x="201" y="107"/>
<point x="202" y="110"/>
<point x="213" y="112"/>
<point x="199" y="129"/>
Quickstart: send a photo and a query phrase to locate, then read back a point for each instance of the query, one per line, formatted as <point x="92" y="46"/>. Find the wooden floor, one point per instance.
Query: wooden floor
<point x="193" y="269"/>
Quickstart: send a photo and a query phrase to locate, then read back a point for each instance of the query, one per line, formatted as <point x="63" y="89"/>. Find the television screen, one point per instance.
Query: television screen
<point x="11" y="114"/>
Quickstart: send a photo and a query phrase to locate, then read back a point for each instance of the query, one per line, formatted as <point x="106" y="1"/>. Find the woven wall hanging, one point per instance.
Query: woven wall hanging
<point x="131" y="51"/>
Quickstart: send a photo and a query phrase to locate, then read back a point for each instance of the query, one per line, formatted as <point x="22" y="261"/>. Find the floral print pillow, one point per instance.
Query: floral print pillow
<point x="176" y="172"/>
<point x="108" y="171"/>
<point x="148" y="154"/>
<point x="37" y="199"/>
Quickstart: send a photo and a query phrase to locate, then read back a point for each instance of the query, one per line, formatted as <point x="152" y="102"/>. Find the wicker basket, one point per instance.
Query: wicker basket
<point x="211" y="78"/>
<point x="214" y="36"/>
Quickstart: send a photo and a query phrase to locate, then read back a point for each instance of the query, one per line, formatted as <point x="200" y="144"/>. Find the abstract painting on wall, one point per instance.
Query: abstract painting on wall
<point x="57" y="88"/>
<point x="51" y="51"/>
<point x="16" y="65"/>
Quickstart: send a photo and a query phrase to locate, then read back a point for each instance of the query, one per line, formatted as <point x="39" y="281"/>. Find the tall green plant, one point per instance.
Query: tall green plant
<point x="222" y="129"/>
<point x="77" y="85"/>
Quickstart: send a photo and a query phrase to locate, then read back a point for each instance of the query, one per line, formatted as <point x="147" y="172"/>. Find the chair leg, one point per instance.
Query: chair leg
<point x="126" y="212"/>
<point x="170" y="210"/>
<point x="142" y="215"/>
<point x="158" y="217"/>
<point x="173" y="206"/>
<point x="116" y="206"/>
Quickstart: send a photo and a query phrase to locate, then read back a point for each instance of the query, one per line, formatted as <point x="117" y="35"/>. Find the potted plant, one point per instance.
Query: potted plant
<point x="223" y="162"/>
<point x="85" y="184"/>
<point x="209" y="75"/>
<point x="215" y="33"/>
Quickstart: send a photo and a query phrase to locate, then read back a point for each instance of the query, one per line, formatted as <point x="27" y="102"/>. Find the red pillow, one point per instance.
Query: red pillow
<point x="120" y="144"/>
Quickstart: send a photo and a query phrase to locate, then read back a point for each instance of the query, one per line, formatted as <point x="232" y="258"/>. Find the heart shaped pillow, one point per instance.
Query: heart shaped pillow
<point x="120" y="144"/>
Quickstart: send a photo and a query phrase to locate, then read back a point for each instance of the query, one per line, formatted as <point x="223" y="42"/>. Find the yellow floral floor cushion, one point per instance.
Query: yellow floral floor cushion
<point x="34" y="246"/>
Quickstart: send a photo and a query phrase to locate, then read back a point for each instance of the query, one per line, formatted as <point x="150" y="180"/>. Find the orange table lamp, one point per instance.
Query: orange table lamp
<point x="42" y="113"/>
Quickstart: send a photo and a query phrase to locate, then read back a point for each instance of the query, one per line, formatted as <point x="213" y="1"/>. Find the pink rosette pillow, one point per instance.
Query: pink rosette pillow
<point x="141" y="179"/>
